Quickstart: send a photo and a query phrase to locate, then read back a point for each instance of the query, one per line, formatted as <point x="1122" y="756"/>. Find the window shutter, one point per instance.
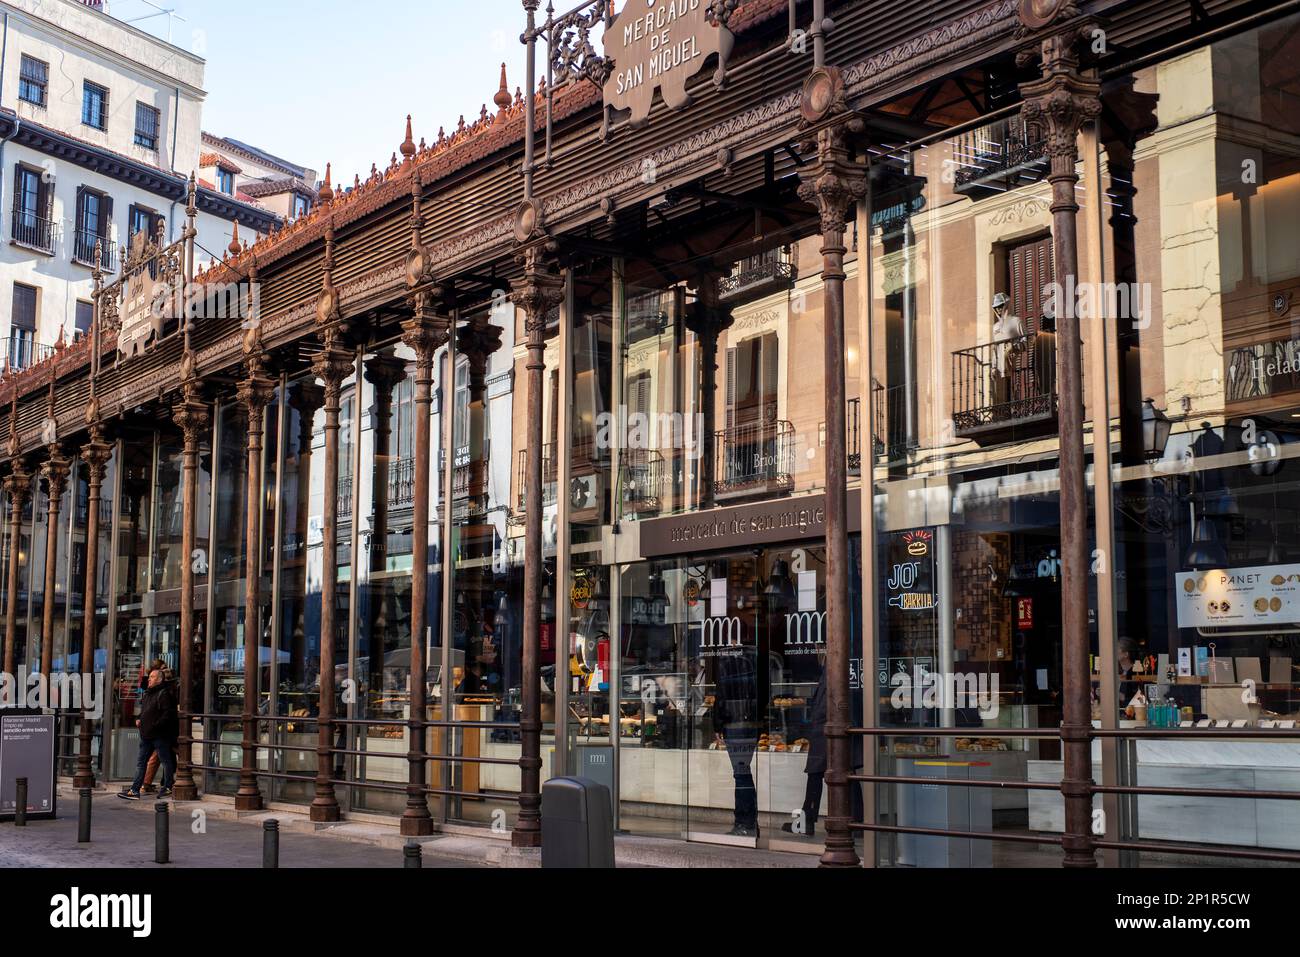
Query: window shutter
<point x="81" y="209"/>
<point x="24" y="316"/>
<point x="47" y="196"/>
<point x="770" y="374"/>
<point x="731" y="387"/>
<point x="106" y="217"/>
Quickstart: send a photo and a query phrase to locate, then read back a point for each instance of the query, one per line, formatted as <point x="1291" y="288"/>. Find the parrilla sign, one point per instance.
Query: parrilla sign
<point x="660" y="44"/>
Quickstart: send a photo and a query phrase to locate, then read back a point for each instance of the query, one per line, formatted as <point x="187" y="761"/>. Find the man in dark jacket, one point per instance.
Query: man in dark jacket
<point x="816" y="765"/>
<point x="159" y="725"/>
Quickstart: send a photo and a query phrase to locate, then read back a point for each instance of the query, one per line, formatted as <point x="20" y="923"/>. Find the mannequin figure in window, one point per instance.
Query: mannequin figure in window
<point x="1008" y="342"/>
<point x="735" y="715"/>
<point x="816" y="766"/>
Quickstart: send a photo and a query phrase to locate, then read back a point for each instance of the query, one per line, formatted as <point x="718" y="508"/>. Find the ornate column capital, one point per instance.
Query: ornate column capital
<point x="1063" y="100"/>
<point x="834" y="182"/>
<point x="478" y="341"/>
<point x="54" y="470"/>
<point x="18" y="482"/>
<point x="708" y="317"/>
<point x="257" y="389"/>
<point x="333" y="364"/>
<point x="426" y="331"/>
<point x="191" y="414"/>
<point x="539" y="290"/>
<point x="96" y="454"/>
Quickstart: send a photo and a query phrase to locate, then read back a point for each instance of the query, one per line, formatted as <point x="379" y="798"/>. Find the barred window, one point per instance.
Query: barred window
<point x="146" y="126"/>
<point x="94" y="105"/>
<point x="33" y="80"/>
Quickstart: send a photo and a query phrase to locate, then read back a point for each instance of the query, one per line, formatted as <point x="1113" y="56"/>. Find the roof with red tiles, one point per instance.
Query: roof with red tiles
<point x="220" y="162"/>
<point x="466" y="145"/>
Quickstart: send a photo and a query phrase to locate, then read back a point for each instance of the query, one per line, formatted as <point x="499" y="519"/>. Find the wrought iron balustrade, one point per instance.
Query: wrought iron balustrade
<point x="24" y="352"/>
<point x="754" y="459"/>
<point x="642" y="481"/>
<point x="84" y="244"/>
<point x="1005" y="389"/>
<point x="998" y="158"/>
<point x="757" y="275"/>
<point x="33" y="231"/>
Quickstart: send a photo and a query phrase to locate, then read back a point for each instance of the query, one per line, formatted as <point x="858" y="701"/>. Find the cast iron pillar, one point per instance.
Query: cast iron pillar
<point x="95" y="454"/>
<point x="425" y="334"/>
<point x="17" y="484"/>
<point x="1059" y="105"/>
<point x="255" y="392"/>
<point x="55" y="472"/>
<point x="834" y="183"/>
<point x="332" y="365"/>
<point x="537" y="292"/>
<point x="709" y="319"/>
<point x="192" y="417"/>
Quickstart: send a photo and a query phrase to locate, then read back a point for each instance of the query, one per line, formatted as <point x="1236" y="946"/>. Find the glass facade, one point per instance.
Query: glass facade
<point x="684" y="471"/>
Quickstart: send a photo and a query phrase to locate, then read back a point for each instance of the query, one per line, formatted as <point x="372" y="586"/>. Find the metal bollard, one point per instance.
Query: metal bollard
<point x="83" y="816"/>
<point x="161" y="835"/>
<point x="271" y="843"/>
<point x="20" y="802"/>
<point x="411" y="855"/>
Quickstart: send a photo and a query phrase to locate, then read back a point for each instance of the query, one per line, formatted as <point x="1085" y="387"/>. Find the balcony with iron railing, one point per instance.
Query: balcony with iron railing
<point x="549" y="477"/>
<point x="84" y="244"/>
<point x="1005" y="390"/>
<point x="345" y="497"/>
<point x="642" y="481"/>
<point x="754" y="460"/>
<point x="32" y="231"/>
<point x="22" y="352"/>
<point x="998" y="158"/>
<point x="758" y="275"/>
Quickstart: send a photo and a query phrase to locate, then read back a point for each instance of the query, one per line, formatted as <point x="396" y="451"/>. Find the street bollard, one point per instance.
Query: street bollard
<point x="83" y="816"/>
<point x="411" y="855"/>
<point x="20" y="802"/>
<point x="161" y="836"/>
<point x="271" y="843"/>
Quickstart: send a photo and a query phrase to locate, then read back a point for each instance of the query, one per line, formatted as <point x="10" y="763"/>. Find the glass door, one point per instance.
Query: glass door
<point x="727" y="642"/>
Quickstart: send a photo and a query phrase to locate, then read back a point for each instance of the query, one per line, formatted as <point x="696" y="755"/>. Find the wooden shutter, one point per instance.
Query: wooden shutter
<point x="81" y="210"/>
<point x="106" y="217"/>
<point x="24" y="315"/>
<point x="46" y="192"/>
<point x="1029" y="268"/>
<point x="731" y="387"/>
<point x="768" y="380"/>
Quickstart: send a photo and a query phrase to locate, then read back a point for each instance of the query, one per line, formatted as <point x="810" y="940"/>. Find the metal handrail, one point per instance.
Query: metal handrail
<point x="1092" y="788"/>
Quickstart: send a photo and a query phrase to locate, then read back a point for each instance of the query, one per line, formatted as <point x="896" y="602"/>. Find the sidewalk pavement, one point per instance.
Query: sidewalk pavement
<point x="122" y="835"/>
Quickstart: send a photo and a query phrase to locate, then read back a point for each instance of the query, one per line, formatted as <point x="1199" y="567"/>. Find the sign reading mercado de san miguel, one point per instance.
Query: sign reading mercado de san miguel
<point x="660" y="44"/>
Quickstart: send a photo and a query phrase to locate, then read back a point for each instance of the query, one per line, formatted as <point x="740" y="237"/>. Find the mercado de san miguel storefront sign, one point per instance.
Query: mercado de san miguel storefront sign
<point x="788" y="520"/>
<point x="660" y="44"/>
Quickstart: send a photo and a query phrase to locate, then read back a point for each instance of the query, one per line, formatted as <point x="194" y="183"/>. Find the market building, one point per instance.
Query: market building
<point x="792" y="407"/>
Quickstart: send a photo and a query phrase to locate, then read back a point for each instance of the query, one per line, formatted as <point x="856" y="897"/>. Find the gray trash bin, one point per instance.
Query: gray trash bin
<point x="577" y="826"/>
<point x="945" y="807"/>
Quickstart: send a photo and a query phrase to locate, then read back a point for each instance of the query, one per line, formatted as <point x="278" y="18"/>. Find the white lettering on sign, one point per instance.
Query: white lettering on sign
<point x="660" y="47"/>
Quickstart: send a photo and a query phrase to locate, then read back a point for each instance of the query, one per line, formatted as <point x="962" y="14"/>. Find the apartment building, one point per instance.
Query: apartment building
<point x="100" y="130"/>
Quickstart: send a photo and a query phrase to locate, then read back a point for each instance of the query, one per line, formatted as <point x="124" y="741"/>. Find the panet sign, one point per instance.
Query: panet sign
<point x="660" y="44"/>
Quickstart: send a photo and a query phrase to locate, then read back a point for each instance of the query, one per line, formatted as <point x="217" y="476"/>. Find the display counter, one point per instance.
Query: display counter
<point x="1197" y="763"/>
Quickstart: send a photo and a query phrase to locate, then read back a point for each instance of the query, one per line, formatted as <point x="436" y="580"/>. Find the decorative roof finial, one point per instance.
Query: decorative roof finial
<point x="502" y="99"/>
<point x="234" y="246"/>
<point x="326" y="194"/>
<point x="408" y="144"/>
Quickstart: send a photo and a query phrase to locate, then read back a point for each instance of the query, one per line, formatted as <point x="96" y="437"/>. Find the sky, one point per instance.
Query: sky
<point x="330" y="81"/>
